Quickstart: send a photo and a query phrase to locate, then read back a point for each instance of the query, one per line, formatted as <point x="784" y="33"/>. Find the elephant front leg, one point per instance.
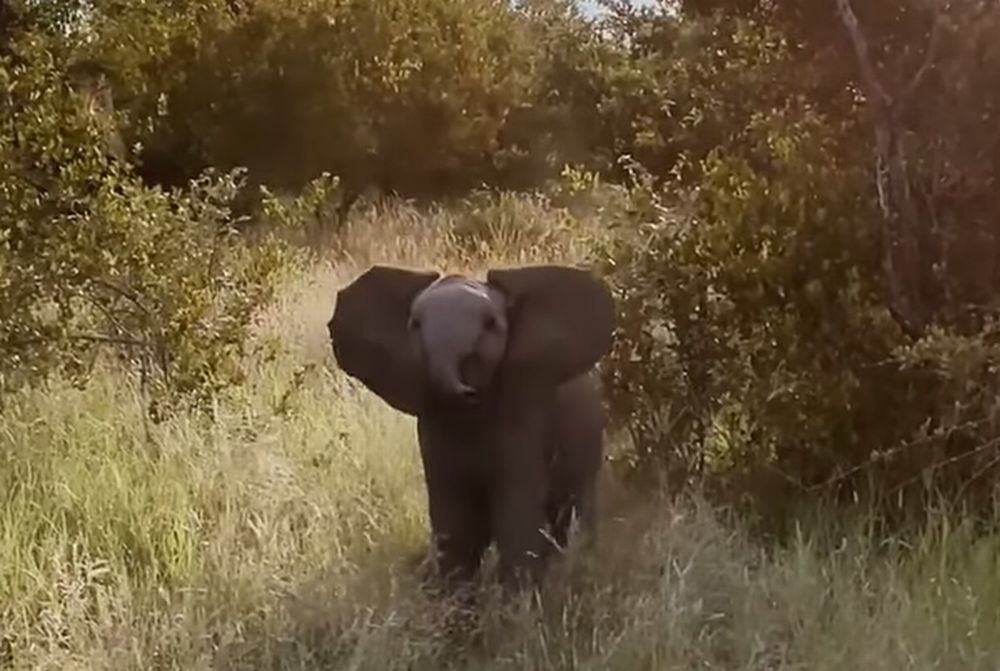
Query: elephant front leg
<point x="460" y="534"/>
<point x="459" y="516"/>
<point x="520" y="526"/>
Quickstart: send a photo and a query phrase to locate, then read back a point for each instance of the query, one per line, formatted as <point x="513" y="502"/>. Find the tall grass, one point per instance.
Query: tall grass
<point x="281" y="532"/>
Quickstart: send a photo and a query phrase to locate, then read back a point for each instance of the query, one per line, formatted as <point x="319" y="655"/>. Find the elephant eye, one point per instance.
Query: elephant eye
<point x="414" y="324"/>
<point x="490" y="323"/>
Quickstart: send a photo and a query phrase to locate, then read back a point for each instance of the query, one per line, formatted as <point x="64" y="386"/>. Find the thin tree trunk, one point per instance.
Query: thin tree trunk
<point x="905" y="263"/>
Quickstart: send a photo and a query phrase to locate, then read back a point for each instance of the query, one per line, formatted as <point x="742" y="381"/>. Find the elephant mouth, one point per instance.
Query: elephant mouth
<point x="465" y="399"/>
<point x="467" y="395"/>
<point x="471" y="399"/>
<point x="451" y="390"/>
<point x="463" y="385"/>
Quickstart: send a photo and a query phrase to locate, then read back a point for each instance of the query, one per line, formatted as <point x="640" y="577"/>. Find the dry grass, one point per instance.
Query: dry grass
<point x="279" y="535"/>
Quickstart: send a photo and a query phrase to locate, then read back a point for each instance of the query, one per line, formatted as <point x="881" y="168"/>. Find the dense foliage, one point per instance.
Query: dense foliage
<point x="802" y="209"/>
<point x="92" y="260"/>
<point x="769" y="333"/>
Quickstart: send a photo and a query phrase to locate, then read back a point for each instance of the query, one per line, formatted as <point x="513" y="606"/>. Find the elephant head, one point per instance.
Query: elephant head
<point x="408" y="335"/>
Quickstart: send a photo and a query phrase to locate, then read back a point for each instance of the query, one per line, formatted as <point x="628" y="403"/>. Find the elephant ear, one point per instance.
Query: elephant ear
<point x="562" y="318"/>
<point x="369" y="333"/>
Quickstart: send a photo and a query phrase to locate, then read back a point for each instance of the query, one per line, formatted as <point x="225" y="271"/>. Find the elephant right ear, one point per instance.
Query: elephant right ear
<point x="369" y="333"/>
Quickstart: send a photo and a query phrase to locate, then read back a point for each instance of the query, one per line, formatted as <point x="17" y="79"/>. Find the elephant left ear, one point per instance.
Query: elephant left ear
<point x="562" y="318"/>
<point x="369" y="333"/>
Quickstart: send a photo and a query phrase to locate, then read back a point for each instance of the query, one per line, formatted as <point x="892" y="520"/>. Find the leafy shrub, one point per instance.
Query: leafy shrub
<point x="731" y="298"/>
<point x="406" y="95"/>
<point x="90" y="258"/>
<point x="754" y="346"/>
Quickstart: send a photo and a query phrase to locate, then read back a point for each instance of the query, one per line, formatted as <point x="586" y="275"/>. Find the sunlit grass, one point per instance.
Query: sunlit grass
<point x="281" y="533"/>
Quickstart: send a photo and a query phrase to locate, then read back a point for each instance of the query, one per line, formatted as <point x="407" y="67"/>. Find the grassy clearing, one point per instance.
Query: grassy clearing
<point x="280" y="534"/>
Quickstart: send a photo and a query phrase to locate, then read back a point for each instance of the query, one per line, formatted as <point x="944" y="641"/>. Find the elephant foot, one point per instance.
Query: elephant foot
<point x="443" y="580"/>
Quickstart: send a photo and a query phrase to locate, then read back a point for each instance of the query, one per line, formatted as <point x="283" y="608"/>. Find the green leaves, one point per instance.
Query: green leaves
<point x="354" y="89"/>
<point x="747" y="285"/>
<point x="754" y="348"/>
<point x="93" y="261"/>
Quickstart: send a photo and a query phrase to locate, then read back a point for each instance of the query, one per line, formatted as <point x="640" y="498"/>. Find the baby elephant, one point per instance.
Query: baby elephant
<point x="509" y="415"/>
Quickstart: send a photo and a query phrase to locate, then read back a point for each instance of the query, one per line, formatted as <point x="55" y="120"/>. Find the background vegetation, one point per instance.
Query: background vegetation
<point x="795" y="206"/>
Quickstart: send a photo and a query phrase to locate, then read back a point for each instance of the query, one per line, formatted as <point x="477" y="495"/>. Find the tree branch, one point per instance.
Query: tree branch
<point x="127" y="294"/>
<point x="905" y="262"/>
<point x="876" y="92"/>
<point x="930" y="58"/>
<point x="82" y="337"/>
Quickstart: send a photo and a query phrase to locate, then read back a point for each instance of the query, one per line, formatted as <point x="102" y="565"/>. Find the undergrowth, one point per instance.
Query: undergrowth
<point x="280" y="531"/>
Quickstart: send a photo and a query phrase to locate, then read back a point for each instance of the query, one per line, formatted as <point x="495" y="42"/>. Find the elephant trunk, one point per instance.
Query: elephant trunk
<point x="446" y="379"/>
<point x="446" y="345"/>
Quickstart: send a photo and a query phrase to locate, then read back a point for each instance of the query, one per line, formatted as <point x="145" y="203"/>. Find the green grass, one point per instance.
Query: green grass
<point x="281" y="535"/>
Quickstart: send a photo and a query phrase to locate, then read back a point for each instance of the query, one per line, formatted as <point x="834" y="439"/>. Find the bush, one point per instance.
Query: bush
<point x="403" y="95"/>
<point x="735" y="299"/>
<point x="90" y="258"/>
<point x="755" y="348"/>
